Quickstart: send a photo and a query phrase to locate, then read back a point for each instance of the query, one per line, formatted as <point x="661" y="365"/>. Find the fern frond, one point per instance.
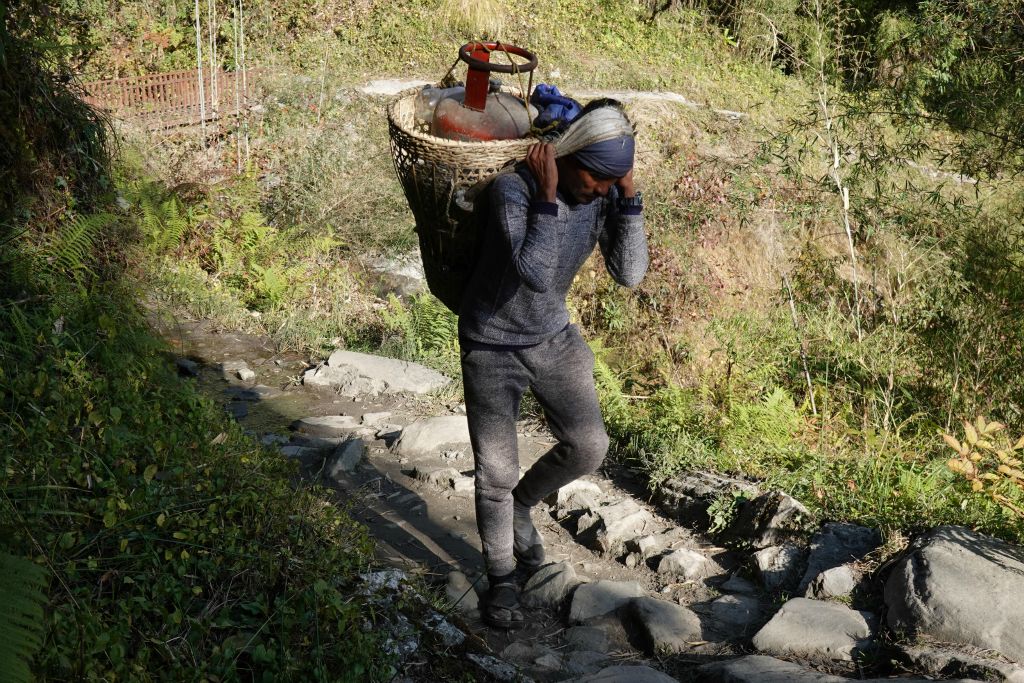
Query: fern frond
<point x="73" y="249"/>
<point x="23" y="585"/>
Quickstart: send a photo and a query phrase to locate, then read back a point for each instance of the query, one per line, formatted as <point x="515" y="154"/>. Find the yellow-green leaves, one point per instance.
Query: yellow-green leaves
<point x="986" y="458"/>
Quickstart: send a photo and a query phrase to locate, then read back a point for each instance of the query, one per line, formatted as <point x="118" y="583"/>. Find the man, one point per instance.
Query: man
<point x="514" y="331"/>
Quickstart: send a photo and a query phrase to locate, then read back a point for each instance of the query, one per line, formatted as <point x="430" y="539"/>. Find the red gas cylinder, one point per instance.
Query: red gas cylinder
<point x="479" y="115"/>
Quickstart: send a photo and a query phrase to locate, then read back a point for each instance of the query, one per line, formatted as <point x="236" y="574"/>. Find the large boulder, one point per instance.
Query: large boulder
<point x="816" y="630"/>
<point x="397" y="375"/>
<point x="687" y="497"/>
<point x="428" y="435"/>
<point x="956" y="585"/>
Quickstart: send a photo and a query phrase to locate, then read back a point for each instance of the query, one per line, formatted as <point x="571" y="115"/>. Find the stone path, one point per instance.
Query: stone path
<point x="631" y="592"/>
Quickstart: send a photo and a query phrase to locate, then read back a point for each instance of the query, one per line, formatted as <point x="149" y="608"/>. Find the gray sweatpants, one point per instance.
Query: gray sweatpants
<point x="560" y="372"/>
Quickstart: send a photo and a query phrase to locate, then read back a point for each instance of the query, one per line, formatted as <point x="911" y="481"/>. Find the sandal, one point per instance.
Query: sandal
<point x="501" y="608"/>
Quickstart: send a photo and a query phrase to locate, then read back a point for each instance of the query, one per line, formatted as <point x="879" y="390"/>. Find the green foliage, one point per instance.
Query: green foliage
<point x="163" y="220"/>
<point x="23" y="585"/>
<point x="73" y="246"/>
<point x="989" y="460"/>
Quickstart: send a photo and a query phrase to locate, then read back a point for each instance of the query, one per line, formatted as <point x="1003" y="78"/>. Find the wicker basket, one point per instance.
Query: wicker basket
<point x="434" y="173"/>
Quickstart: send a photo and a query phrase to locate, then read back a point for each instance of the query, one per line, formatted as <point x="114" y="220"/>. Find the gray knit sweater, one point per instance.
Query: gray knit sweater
<point x="529" y="255"/>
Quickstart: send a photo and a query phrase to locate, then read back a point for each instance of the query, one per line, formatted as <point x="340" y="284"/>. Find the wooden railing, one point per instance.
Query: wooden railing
<point x="169" y="99"/>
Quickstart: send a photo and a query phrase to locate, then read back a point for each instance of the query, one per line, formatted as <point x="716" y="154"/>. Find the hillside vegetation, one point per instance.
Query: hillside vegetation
<point x="835" y="283"/>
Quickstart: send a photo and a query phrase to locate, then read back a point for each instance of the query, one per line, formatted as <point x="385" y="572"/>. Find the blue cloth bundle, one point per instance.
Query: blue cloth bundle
<point x="554" y="107"/>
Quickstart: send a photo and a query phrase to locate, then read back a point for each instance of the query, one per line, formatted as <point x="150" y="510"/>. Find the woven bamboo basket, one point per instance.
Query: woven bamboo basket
<point x="435" y="173"/>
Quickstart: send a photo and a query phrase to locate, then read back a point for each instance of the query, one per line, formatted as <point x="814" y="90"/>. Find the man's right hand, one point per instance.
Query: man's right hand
<point x="540" y="159"/>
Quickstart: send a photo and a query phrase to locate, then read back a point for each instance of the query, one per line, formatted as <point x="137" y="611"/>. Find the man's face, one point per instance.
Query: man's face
<point x="583" y="185"/>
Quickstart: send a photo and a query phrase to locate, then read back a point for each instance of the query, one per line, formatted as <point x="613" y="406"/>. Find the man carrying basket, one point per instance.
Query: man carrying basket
<point x="543" y="222"/>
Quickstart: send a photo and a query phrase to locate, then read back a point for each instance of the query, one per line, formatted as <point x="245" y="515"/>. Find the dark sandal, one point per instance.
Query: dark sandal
<point x="501" y="609"/>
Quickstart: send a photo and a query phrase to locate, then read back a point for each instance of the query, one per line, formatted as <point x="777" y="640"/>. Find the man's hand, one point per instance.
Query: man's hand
<point x="541" y="161"/>
<point x="625" y="185"/>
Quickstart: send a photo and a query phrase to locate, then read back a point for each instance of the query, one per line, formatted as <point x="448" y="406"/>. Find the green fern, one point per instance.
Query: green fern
<point x="435" y="328"/>
<point x="73" y="249"/>
<point x="163" y="222"/>
<point x="23" y="586"/>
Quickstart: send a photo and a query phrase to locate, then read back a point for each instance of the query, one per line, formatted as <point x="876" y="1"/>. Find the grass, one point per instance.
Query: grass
<point x="705" y="366"/>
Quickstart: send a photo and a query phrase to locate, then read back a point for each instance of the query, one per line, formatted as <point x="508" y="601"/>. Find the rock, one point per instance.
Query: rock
<point x="607" y="528"/>
<point x="229" y="369"/>
<point x="396" y="375"/>
<point x="816" y="630"/>
<point x="503" y="671"/>
<point x="428" y="435"/>
<point x="273" y="439"/>
<point x="550" y="586"/>
<point x="778" y="567"/>
<point x="376" y="419"/>
<point x="646" y="546"/>
<point x="667" y="627"/>
<point x="835" y="545"/>
<point x="346" y="381"/>
<point x="389" y="433"/>
<point x="686" y="497"/>
<point x="944" y="663"/>
<point x="345" y="458"/>
<point x="601" y="597"/>
<point x="245" y="374"/>
<point x="326" y="425"/>
<point x="529" y="655"/>
<point x="448" y="478"/>
<point x="447" y="633"/>
<point x="460" y="593"/>
<point x="956" y="585"/>
<point x="320" y="443"/>
<point x="258" y="392"/>
<point x="299" y="452"/>
<point x="770" y="519"/>
<point x="589" y="638"/>
<point x="737" y="584"/>
<point x="576" y="495"/>
<point x="625" y="674"/>
<point x="837" y="582"/>
<point x="584" y="662"/>
<point x="237" y="409"/>
<point x="186" y="367"/>
<point x="736" y="613"/>
<point x="688" y="564"/>
<point x="762" y="669"/>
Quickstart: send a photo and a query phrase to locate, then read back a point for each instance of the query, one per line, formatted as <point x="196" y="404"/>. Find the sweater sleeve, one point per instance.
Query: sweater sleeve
<point x="624" y="245"/>
<point x="530" y="229"/>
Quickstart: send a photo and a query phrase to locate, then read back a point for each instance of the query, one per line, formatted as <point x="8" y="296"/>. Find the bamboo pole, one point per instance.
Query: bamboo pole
<point x="199" y="71"/>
